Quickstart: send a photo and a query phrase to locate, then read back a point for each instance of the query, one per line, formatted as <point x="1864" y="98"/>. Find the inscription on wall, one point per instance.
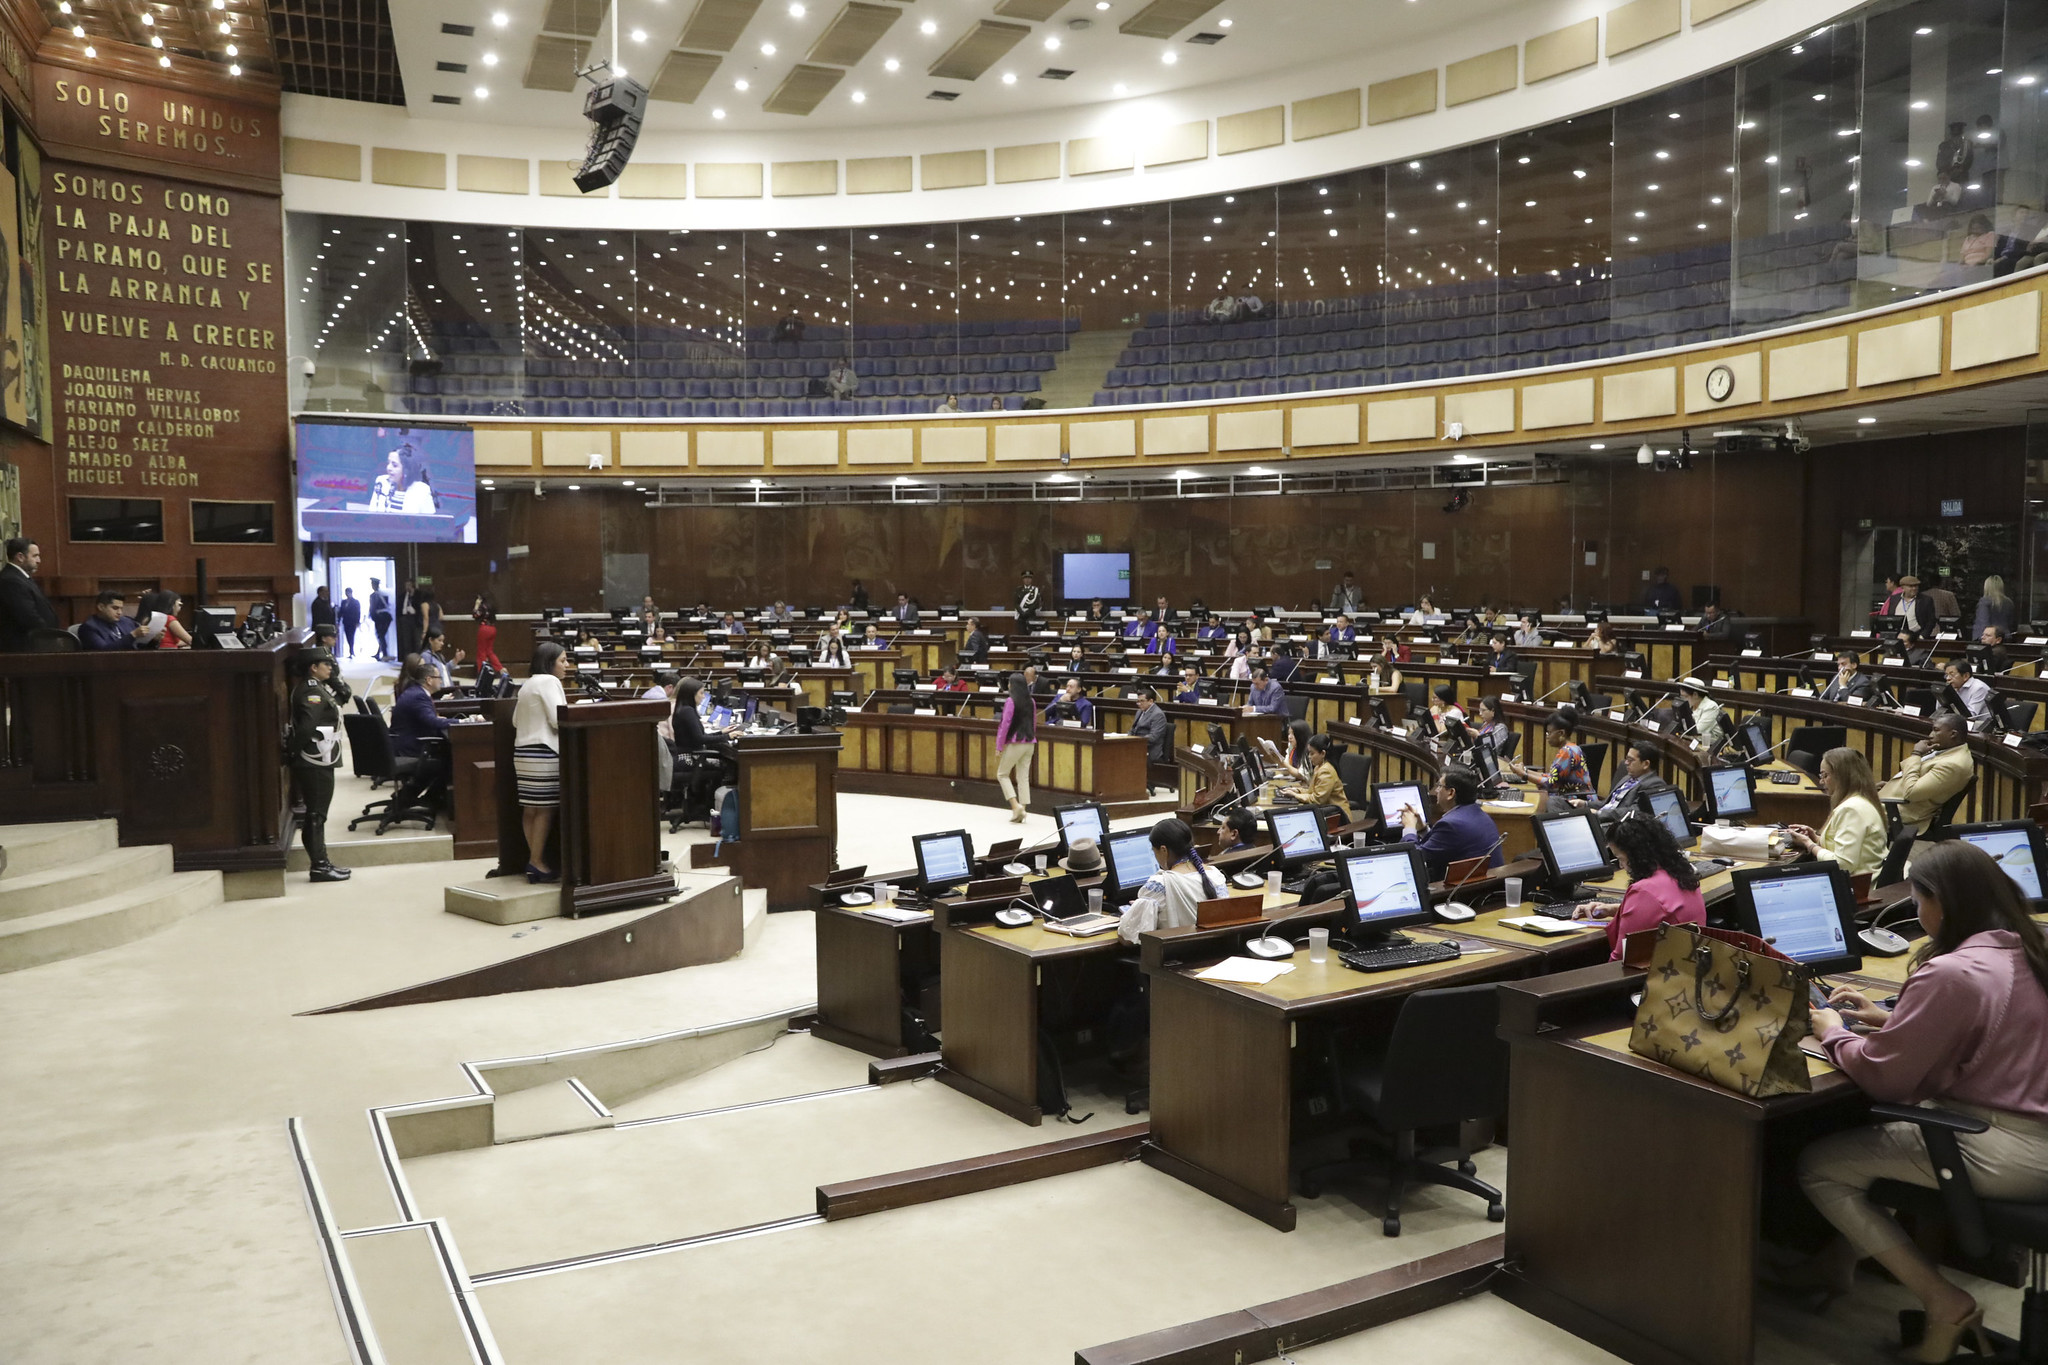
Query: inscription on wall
<point x="167" y="333"/>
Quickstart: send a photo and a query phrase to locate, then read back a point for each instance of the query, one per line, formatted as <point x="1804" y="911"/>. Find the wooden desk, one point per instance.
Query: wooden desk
<point x="953" y="758"/>
<point x="1638" y="1192"/>
<point x="868" y="968"/>
<point x="994" y="981"/>
<point x="789" y="816"/>
<point x="1224" y="1056"/>
<point x="473" y="777"/>
<point x="610" y="830"/>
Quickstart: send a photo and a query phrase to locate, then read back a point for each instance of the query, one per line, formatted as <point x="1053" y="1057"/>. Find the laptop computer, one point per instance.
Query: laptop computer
<point x="1063" y="908"/>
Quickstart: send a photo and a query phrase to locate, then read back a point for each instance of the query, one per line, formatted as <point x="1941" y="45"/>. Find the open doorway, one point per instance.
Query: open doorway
<point x="363" y="578"/>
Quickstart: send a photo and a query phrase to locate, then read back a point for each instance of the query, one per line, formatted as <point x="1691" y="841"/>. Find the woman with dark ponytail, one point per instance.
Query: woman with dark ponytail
<point x="1183" y="881"/>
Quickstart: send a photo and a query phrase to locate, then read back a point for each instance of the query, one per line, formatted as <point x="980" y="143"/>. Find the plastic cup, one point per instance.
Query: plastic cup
<point x="1318" y="945"/>
<point x="1272" y="884"/>
<point x="1094" y="900"/>
<point x="1040" y="860"/>
<point x="885" y="892"/>
<point x="1514" y="888"/>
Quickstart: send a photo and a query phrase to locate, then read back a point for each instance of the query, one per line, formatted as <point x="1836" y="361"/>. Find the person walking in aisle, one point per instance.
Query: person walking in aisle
<point x="349" y="617"/>
<point x="1017" y="743"/>
<point x="380" y="619"/>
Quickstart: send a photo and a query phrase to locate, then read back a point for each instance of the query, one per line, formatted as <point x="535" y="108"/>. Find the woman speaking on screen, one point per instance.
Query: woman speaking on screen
<point x="403" y="486"/>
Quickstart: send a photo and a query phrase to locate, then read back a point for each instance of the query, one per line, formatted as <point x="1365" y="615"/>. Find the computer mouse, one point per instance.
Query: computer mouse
<point x="1883" y="942"/>
<point x="1247" y="881"/>
<point x="1013" y="917"/>
<point x="1456" y="911"/>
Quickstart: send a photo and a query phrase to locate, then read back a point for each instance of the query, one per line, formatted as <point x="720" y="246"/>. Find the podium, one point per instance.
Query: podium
<point x="609" y="824"/>
<point x="789" y="816"/>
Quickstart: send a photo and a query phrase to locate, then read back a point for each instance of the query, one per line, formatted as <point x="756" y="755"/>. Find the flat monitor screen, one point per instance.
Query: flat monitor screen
<point x="1298" y="834"/>
<point x="1485" y="761"/>
<point x="1755" y="740"/>
<point x="1085" y="576"/>
<point x="1806" y="913"/>
<point x="1392" y="796"/>
<point x="1244" y="780"/>
<point x="1388" y="888"/>
<point x="359" y="481"/>
<point x="1730" y="793"/>
<point x="1669" y="807"/>
<point x="2015" y="845"/>
<point x="1080" y="822"/>
<point x="1572" y="846"/>
<point x="1131" y="863"/>
<point x="944" y="860"/>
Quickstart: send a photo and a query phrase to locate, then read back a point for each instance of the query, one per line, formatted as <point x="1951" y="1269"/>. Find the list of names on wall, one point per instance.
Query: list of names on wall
<point x="166" y="333"/>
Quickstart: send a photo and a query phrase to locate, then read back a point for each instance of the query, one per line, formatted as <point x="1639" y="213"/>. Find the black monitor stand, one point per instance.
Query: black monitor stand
<point x="1567" y="892"/>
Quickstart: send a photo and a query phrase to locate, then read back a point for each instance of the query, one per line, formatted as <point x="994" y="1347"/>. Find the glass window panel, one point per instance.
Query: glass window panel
<point x="2017" y="148"/>
<point x="691" y="288"/>
<point x="1119" y="290"/>
<point x="580" y="340"/>
<point x="906" y="315"/>
<point x="1673" y="211"/>
<point x="349" y="312"/>
<point x="1796" y="195"/>
<point x="1225" y="263"/>
<point x="1443" y="224"/>
<point x="799" y="297"/>
<point x="463" y="330"/>
<point x="1554" y="221"/>
<point x="1332" y="267"/>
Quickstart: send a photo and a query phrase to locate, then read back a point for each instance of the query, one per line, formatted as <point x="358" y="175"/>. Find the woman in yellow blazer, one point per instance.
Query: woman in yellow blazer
<point x="1320" y="785"/>
<point x="1854" y="835"/>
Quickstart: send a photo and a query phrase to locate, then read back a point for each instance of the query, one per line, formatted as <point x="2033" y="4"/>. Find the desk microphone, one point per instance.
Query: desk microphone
<point x="1553" y="691"/>
<point x="1270" y="945"/>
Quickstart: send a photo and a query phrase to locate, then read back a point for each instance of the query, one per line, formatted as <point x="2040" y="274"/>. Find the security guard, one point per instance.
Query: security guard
<point x="314" y="750"/>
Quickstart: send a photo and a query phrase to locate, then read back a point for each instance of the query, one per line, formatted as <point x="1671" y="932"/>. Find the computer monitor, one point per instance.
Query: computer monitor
<point x="1298" y="835"/>
<point x="1805" y="911"/>
<point x="1753" y="740"/>
<point x="1385" y="889"/>
<point x="1390" y="797"/>
<point x="1241" y="778"/>
<point x="1252" y="759"/>
<point x="1131" y="864"/>
<point x="1082" y="820"/>
<point x="2017" y="847"/>
<point x="1573" y="851"/>
<point x="1485" y="762"/>
<point x="1669" y="807"/>
<point x="944" y="861"/>
<point x="1731" y="793"/>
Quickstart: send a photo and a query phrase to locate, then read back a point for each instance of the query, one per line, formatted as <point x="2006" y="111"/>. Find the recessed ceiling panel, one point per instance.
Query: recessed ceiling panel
<point x="1037" y="11"/>
<point x="1164" y="18"/>
<point x="802" y="89"/>
<point x="980" y="48"/>
<point x="580" y="17"/>
<point x="716" y="25"/>
<point x="683" y="76"/>
<point x="555" y="62"/>
<point x="852" y="32"/>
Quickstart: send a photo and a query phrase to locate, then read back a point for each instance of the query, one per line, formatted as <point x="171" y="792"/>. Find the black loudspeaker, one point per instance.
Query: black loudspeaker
<point x="617" y="108"/>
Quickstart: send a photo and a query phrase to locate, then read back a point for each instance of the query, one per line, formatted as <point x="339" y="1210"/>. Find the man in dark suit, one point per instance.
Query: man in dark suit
<point x="380" y="619"/>
<point x="349" y="616"/>
<point x="1916" y="613"/>
<point x="906" y="614"/>
<point x="974" y="650"/>
<point x="23" y="608"/>
<point x="1849" y="680"/>
<point x="109" y="626"/>
<point x="322" y="609"/>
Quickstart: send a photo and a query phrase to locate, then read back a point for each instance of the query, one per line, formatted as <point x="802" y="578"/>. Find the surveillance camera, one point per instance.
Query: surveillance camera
<point x="1454" y="431"/>
<point x="306" y="368"/>
<point x="596" y="462"/>
<point x="538" y="490"/>
<point x="1066" y="457"/>
<point x="1645" y="455"/>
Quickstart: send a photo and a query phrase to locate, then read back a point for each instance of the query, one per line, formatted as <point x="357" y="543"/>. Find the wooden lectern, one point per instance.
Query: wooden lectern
<point x="610" y="826"/>
<point x="789" y="816"/>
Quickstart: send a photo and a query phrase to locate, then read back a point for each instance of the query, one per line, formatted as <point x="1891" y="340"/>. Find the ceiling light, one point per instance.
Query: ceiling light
<point x="891" y="65"/>
<point x="1923" y="32"/>
<point x="500" y="19"/>
<point x="1182" y="474"/>
<point x="860" y="97"/>
<point x="796" y="11"/>
<point x="1866" y="421"/>
<point x="482" y="92"/>
<point x="234" y="68"/>
<point x="1919" y="104"/>
<point x="490" y="59"/>
<point x="164" y="60"/>
<point x="2025" y="80"/>
<point x="1052" y="44"/>
<point x="1009" y="78"/>
<point x="1119" y="88"/>
<point x="148" y="19"/>
<point x="718" y="113"/>
<point x="1598" y="445"/>
<point x="928" y="27"/>
<point x="740" y="84"/>
<point x="1102" y="4"/>
<point x="574" y="487"/>
<point x="1169" y="57"/>
<point x="767" y="49"/>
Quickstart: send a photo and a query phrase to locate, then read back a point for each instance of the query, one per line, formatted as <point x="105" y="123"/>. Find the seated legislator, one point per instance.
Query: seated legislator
<point x="1913" y="649"/>
<point x="109" y="627"/>
<point x="1709" y="722"/>
<point x="439" y="659"/>
<point x="831" y="651"/>
<point x="1160" y="641"/>
<point x="1849" y="680"/>
<point x="1993" y="657"/>
<point x="1854" y="835"/>
<point x="1240" y="830"/>
<point x="1939" y="766"/>
<point x="1267" y="698"/>
<point x="1969" y="1033"/>
<point x="1096" y="610"/>
<point x="1631" y="792"/>
<point x="1499" y="658"/>
<point x="1385" y="678"/>
<point x="1170" y="895"/>
<point x="1662" y="887"/>
<point x="413" y="717"/>
<point x="1528" y="635"/>
<point x="873" y="638"/>
<point x="949" y="680"/>
<point x="905" y="613"/>
<point x="1152" y="725"/>
<point x="1320" y="785"/>
<point x="1190" y="691"/>
<point x="1566" y="779"/>
<point x="1343" y="633"/>
<point x="1974" y="692"/>
<point x="1486" y="724"/>
<point x="1461" y="831"/>
<point x="1070" y="705"/>
<point x="1716" y="624"/>
<point x="732" y="625"/>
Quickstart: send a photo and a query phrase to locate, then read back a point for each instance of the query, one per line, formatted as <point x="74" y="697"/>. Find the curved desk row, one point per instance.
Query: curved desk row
<point x="953" y="758"/>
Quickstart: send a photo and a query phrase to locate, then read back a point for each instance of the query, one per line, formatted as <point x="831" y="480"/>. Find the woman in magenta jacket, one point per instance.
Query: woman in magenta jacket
<point x="1662" y="887"/>
<point x="1969" y="1033"/>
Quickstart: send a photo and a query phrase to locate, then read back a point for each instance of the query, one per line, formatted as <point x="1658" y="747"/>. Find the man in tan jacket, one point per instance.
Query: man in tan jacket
<point x="1938" y="768"/>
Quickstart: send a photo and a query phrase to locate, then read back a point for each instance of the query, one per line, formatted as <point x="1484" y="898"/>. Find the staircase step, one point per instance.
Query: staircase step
<point x="400" y="844"/>
<point x="60" y="843"/>
<point x="546" y="1111"/>
<point x="83" y="879"/>
<point x="107" y="921"/>
<point x="503" y="900"/>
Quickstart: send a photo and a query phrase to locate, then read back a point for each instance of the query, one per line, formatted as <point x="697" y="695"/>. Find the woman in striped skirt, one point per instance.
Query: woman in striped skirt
<point x="536" y="754"/>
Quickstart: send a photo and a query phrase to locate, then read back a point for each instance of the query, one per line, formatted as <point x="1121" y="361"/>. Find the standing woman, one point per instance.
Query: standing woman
<point x="1017" y="743"/>
<point x="537" y="754"/>
<point x="1966" y="1035"/>
<point x="1994" y="608"/>
<point x="486" y="617"/>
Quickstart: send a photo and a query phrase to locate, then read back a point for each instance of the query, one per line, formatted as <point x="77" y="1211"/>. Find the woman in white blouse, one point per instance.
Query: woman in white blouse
<point x="1183" y="881"/>
<point x="536" y="754"/>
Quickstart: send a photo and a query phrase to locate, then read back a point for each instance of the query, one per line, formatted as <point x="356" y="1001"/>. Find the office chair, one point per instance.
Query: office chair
<point x="1948" y="810"/>
<point x="1804" y="760"/>
<point x="1596" y="761"/>
<point x="370" y="740"/>
<point x="1355" y="772"/>
<point x="1975" y="1223"/>
<point x="1815" y="740"/>
<point x="1297" y="706"/>
<point x="1443" y="1065"/>
<point x="2018" y="715"/>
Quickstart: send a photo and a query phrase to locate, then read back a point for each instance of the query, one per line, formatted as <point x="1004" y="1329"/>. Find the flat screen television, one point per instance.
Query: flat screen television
<point x="1087" y="576"/>
<point x="363" y="482"/>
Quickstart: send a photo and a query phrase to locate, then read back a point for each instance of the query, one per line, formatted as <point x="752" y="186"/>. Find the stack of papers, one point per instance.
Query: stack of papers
<point x="896" y="914"/>
<point x="1543" y="924"/>
<point x="1249" y="971"/>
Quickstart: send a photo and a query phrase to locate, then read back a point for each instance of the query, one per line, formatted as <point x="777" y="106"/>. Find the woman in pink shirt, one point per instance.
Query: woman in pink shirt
<point x="1969" y="1033"/>
<point x="1662" y="887"/>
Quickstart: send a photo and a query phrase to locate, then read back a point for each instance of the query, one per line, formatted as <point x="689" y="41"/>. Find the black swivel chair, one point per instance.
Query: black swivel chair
<point x="1596" y="761"/>
<point x="1355" y="772"/>
<point x="1297" y="705"/>
<point x="369" y="745"/>
<point x="1814" y="740"/>
<point x="1443" y="1065"/>
<point x="1948" y="810"/>
<point x="370" y="742"/>
<point x="1973" y="1222"/>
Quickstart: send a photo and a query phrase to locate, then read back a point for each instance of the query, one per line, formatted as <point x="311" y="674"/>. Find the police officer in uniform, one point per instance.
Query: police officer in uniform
<point x="314" y="756"/>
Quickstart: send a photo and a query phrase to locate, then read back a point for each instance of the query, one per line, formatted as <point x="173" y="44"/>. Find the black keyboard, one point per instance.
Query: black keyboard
<point x="1785" y="779"/>
<point x="1404" y="955"/>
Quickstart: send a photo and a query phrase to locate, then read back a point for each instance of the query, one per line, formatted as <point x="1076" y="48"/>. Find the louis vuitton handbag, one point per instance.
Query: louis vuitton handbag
<point x="1727" y="1008"/>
